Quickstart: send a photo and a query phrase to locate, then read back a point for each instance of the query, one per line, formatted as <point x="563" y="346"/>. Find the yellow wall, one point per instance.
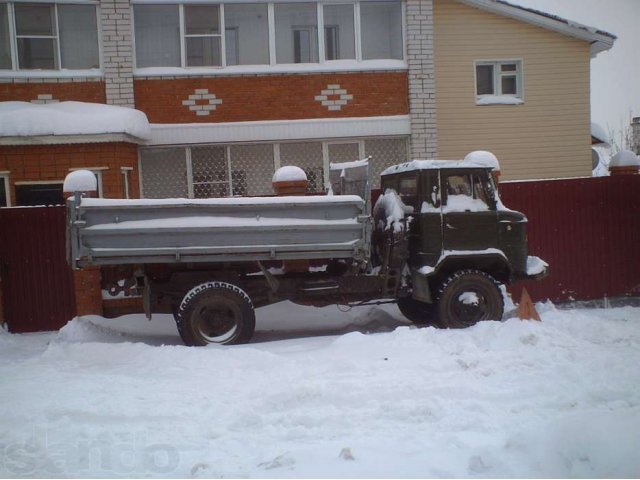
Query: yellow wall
<point x="546" y="137"/>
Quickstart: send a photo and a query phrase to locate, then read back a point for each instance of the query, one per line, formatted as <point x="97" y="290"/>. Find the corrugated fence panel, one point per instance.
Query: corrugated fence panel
<point x="587" y="229"/>
<point x="37" y="283"/>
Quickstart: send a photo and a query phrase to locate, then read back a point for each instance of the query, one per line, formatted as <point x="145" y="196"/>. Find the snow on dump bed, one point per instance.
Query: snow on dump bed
<point x="23" y="119"/>
<point x="295" y="200"/>
<point x="106" y="398"/>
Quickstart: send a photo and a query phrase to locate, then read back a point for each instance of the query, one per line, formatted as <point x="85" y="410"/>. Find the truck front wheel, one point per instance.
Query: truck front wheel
<point x="418" y="312"/>
<point x="215" y="312"/>
<point x="467" y="297"/>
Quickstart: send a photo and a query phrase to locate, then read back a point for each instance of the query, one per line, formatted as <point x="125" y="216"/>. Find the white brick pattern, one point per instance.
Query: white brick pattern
<point x="334" y="97"/>
<point x="117" y="51"/>
<point x="45" y="98"/>
<point x="422" y="103"/>
<point x="202" y="102"/>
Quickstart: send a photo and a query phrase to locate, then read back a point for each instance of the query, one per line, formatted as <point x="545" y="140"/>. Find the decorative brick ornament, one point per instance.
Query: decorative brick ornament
<point x="45" y="98"/>
<point x="202" y="102"/>
<point x="334" y="97"/>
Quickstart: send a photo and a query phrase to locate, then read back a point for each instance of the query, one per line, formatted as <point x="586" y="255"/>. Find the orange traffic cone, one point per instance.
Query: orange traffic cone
<point x="526" y="309"/>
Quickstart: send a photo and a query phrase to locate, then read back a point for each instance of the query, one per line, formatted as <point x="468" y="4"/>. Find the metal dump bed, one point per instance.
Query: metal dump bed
<point x="105" y="231"/>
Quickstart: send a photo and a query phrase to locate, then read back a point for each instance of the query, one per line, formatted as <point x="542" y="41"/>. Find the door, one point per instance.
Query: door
<point x="37" y="284"/>
<point x="469" y="215"/>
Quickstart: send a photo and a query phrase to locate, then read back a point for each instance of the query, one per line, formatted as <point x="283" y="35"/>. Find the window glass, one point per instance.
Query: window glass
<point x="252" y="169"/>
<point x="157" y="32"/>
<point x="484" y="79"/>
<point x="339" y="33"/>
<point x="381" y="26"/>
<point x="39" y="194"/>
<point x="78" y="36"/>
<point x="34" y="20"/>
<point x="409" y="191"/>
<point x="343" y="152"/>
<point x="385" y="152"/>
<point x="164" y="172"/>
<point x="296" y="32"/>
<point x="480" y="193"/>
<point x="459" y="185"/>
<point x="5" y="46"/>
<point x="246" y="34"/>
<point x="202" y="38"/>
<point x="34" y="23"/>
<point x="509" y="85"/>
<point x="3" y="192"/>
<point x="210" y="172"/>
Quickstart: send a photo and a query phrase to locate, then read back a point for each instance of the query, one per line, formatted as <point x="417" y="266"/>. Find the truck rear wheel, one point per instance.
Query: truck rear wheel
<point x="467" y="297"/>
<point x="215" y="312"/>
<point x="418" y="312"/>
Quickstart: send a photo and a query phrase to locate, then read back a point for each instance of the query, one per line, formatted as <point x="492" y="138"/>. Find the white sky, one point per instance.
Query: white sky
<point x="615" y="74"/>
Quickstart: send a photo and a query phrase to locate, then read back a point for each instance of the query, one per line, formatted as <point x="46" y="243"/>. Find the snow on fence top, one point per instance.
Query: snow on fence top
<point x="289" y="173"/>
<point x="478" y="158"/>
<point x="625" y="158"/>
<point x="80" y="181"/>
<point x="24" y="119"/>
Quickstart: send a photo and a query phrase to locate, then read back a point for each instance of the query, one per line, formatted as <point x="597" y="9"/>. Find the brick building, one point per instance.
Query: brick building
<point x="235" y="89"/>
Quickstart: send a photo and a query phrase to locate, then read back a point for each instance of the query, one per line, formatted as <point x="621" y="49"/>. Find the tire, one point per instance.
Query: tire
<point x="467" y="297"/>
<point x="215" y="312"/>
<point x="418" y="312"/>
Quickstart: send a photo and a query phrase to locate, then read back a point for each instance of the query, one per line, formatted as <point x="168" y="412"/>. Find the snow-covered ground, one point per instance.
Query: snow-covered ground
<point x="324" y="393"/>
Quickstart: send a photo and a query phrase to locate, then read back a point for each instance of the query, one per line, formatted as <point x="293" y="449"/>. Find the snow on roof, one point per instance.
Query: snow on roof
<point x="24" y="119"/>
<point x="289" y="173"/>
<point x="600" y="40"/>
<point x="477" y="159"/>
<point x="599" y="134"/>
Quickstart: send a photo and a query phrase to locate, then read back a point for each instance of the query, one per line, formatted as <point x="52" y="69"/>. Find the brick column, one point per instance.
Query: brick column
<point x="88" y="291"/>
<point x="117" y="51"/>
<point x="422" y="102"/>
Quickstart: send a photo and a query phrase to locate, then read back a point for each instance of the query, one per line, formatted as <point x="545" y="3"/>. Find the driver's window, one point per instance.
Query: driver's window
<point x="465" y="193"/>
<point x="479" y="190"/>
<point x="459" y="185"/>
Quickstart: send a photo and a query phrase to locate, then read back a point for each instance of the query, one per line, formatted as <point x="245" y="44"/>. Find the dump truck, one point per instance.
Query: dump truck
<point x="438" y="242"/>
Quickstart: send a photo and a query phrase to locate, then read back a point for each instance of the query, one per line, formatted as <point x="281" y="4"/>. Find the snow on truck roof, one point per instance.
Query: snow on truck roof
<point x="477" y="159"/>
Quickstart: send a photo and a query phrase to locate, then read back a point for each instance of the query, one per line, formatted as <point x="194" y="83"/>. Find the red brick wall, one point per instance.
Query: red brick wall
<point x="273" y="97"/>
<point x="90" y="91"/>
<point x="52" y="162"/>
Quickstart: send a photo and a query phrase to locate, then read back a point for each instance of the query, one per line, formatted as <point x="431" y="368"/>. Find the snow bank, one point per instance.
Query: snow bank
<point x="557" y="398"/>
<point x="80" y="181"/>
<point x="24" y="119"/>
<point x="289" y="173"/>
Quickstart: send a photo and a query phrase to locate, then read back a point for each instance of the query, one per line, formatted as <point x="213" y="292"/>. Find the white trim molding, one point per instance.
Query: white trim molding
<point x="278" y="130"/>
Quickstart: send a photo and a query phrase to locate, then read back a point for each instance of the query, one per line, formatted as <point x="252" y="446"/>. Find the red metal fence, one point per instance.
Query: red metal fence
<point x="37" y="283"/>
<point x="587" y="229"/>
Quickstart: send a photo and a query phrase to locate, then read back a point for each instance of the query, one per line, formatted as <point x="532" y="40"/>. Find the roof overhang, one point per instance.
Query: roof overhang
<point x="71" y="139"/>
<point x="599" y="40"/>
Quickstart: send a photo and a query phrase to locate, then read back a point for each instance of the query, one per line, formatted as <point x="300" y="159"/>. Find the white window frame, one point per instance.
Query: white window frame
<point x="497" y="78"/>
<point x="97" y="171"/>
<point x="320" y="34"/>
<point x="13" y="40"/>
<point x="4" y="178"/>
<point x="184" y="35"/>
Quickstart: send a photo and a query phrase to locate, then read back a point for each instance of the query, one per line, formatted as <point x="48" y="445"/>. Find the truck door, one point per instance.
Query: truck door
<point x="429" y="220"/>
<point x="468" y="212"/>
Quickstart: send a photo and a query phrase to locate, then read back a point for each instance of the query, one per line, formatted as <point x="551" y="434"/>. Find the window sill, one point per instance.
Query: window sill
<point x="64" y="73"/>
<point x="331" y="66"/>
<point x="498" y="100"/>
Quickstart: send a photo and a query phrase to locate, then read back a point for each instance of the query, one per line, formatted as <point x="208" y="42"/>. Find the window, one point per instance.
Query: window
<point x="296" y="32"/>
<point x="381" y="30"/>
<point x="408" y="191"/>
<point x="40" y="193"/>
<point x="499" y="79"/>
<point x="5" y="199"/>
<point x="49" y="36"/>
<point x="339" y="32"/>
<point x="466" y="193"/>
<point x="202" y="35"/>
<point x="5" y="45"/>
<point x="246" y="34"/>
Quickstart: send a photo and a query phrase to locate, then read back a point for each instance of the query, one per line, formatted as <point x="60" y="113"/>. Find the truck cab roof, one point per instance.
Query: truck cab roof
<point x="477" y="161"/>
